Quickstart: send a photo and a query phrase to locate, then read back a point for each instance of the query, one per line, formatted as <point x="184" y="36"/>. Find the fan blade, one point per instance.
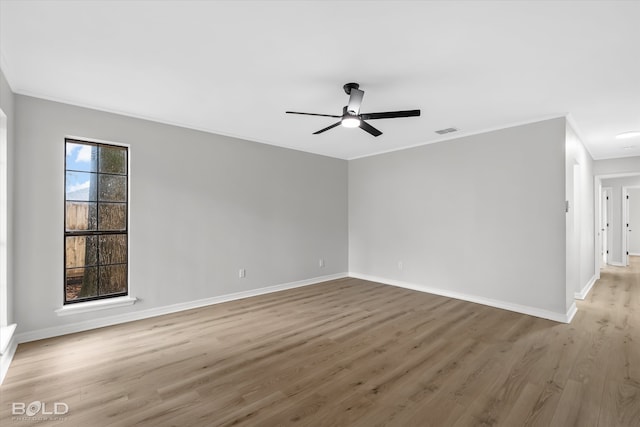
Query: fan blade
<point x="355" y="100"/>
<point x="390" y="114"/>
<point x="312" y="114"/>
<point x="368" y="128"/>
<point x="327" y="128"/>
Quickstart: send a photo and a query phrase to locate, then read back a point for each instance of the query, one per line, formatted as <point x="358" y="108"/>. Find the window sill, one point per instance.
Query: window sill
<point x="85" y="307"/>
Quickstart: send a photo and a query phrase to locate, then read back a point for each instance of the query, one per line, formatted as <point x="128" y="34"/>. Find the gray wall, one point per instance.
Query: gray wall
<point x="581" y="242"/>
<point x="202" y="206"/>
<point x="616" y="229"/>
<point x="482" y="215"/>
<point x="7" y="105"/>
<point x="617" y="166"/>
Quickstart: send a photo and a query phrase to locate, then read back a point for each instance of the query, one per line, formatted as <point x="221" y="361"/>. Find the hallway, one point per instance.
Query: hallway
<point x="605" y="378"/>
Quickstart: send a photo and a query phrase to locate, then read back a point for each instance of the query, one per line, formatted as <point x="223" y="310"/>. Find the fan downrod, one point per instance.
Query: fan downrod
<point x="347" y="88"/>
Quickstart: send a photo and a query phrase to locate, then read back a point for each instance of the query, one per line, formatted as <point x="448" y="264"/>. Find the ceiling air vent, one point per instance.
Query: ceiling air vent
<point x="447" y="130"/>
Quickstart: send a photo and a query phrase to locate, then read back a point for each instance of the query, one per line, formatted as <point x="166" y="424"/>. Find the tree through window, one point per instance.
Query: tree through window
<point x="96" y="215"/>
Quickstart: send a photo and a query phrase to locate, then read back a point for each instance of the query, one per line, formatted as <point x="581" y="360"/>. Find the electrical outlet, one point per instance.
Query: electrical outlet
<point x="321" y="263"/>
<point x="242" y="273"/>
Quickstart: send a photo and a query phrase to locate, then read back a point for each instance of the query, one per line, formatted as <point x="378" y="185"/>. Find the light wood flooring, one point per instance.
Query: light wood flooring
<point x="347" y="353"/>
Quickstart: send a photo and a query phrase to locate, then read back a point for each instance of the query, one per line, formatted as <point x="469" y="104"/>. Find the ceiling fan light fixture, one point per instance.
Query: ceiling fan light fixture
<point x="630" y="134"/>
<point x="350" y="121"/>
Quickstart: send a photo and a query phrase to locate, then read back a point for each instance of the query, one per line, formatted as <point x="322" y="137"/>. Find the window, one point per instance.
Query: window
<point x="96" y="221"/>
<point x="4" y="219"/>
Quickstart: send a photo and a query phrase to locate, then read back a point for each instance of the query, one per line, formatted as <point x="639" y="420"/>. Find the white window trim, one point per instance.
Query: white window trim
<point x="106" y="303"/>
<point x="95" y="305"/>
<point x="4" y="211"/>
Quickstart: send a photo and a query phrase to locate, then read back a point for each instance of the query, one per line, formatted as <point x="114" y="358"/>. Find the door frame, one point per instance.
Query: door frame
<point x="625" y="223"/>
<point x="597" y="188"/>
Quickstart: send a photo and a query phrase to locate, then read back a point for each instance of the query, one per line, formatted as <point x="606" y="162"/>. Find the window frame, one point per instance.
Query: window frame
<point x="4" y="223"/>
<point x="113" y="296"/>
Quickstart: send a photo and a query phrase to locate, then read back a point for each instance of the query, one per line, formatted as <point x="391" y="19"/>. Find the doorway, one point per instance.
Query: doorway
<point x="631" y="221"/>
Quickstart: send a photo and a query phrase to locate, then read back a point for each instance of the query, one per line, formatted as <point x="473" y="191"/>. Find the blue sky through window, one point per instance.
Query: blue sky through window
<point x="83" y="158"/>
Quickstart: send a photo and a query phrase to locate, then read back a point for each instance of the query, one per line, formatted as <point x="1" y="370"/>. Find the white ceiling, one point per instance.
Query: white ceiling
<point x="235" y="67"/>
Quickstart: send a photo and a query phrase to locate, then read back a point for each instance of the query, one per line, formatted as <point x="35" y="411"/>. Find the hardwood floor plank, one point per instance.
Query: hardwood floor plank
<point x="569" y="406"/>
<point x="521" y="412"/>
<point x="620" y="405"/>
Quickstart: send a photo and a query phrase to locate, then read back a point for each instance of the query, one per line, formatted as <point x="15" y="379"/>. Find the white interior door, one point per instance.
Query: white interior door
<point x="604" y="225"/>
<point x="634" y="222"/>
<point x="625" y="226"/>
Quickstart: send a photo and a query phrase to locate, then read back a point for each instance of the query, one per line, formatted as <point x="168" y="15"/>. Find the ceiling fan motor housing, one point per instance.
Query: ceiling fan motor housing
<point x="347" y="88"/>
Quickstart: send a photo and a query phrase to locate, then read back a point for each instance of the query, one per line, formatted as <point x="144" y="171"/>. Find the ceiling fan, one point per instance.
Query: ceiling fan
<point x="351" y="117"/>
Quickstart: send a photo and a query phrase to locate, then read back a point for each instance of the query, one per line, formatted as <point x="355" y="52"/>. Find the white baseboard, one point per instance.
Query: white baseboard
<point x="634" y="253"/>
<point x="583" y="293"/>
<point x="159" y="311"/>
<point x="9" y="346"/>
<point x="531" y="311"/>
<point x="616" y="264"/>
<point x="570" y="313"/>
<point x="6" y="334"/>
